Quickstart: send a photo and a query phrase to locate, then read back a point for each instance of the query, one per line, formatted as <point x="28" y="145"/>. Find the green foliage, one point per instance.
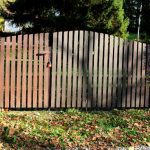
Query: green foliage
<point x="1" y="23"/>
<point x="73" y="128"/>
<point x="45" y="15"/>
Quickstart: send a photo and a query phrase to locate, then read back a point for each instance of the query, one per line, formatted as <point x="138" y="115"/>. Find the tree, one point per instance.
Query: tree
<point x="1" y="24"/>
<point x="53" y="15"/>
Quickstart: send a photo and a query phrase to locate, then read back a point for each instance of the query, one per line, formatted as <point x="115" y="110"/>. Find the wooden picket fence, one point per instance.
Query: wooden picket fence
<point x="80" y="69"/>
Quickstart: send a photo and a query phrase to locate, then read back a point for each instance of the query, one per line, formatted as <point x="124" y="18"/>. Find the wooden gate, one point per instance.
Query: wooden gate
<point x="24" y="76"/>
<point x="89" y="70"/>
<point x="95" y="70"/>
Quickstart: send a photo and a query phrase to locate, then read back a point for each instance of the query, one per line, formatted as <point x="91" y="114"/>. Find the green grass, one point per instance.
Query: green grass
<point x="73" y="128"/>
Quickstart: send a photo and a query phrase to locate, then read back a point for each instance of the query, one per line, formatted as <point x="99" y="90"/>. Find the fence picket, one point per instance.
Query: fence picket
<point x="115" y="58"/>
<point x="18" y="88"/>
<point x="40" y="90"/>
<point x="125" y="78"/>
<point x="59" y="70"/>
<point x="64" y="73"/>
<point x="138" y="75"/>
<point x="147" y="101"/>
<point x="29" y="102"/>
<point x="24" y="72"/>
<point x="47" y="72"/>
<point x="53" y="87"/>
<point x="143" y="75"/>
<point x="2" y="41"/>
<point x="69" y="69"/>
<point x="85" y="72"/>
<point x="129" y="88"/>
<point x="120" y="75"/>
<point x="13" y="70"/>
<point x="134" y="75"/>
<point x="35" y="76"/>
<point x="109" y="99"/>
<point x="101" y="43"/>
<point x="79" y="98"/>
<point x="90" y="71"/>
<point x="7" y="75"/>
<point x="105" y="75"/>
<point x="95" y="70"/>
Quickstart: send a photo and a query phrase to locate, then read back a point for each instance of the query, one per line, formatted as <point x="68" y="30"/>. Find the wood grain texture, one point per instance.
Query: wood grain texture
<point x="7" y="75"/>
<point x="41" y="88"/>
<point x="101" y="42"/>
<point x="47" y="72"/>
<point x="64" y="72"/>
<point x="18" y="91"/>
<point x="2" y="43"/>
<point x="70" y="48"/>
<point x="129" y="98"/>
<point x="24" y="74"/>
<point x="80" y="73"/>
<point x="35" y="75"/>
<point x="95" y="73"/>
<point x="138" y="74"/>
<point x="90" y="71"/>
<point x="75" y="59"/>
<point x="59" y="71"/>
<point x="13" y="71"/>
<point x="85" y="70"/>
<point x="120" y="75"/>
<point x="111" y="45"/>
<point x="133" y="104"/>
<point x="53" y="86"/>
<point x="104" y="103"/>
<point x="30" y="72"/>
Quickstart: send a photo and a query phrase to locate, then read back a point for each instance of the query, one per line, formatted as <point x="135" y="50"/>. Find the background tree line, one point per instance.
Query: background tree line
<point x="118" y="17"/>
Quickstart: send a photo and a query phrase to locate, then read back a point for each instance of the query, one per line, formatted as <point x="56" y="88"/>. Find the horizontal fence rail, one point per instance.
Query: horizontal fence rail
<point x="80" y="69"/>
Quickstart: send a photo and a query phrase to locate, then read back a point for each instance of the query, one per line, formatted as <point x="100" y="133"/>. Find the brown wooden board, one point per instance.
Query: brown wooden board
<point x="115" y="75"/>
<point x="59" y="71"/>
<point x="18" y="91"/>
<point x="35" y="75"/>
<point x="95" y="73"/>
<point x="80" y="73"/>
<point x="7" y="75"/>
<point x="24" y="71"/>
<point x="125" y="77"/>
<point x="90" y="72"/>
<point x="41" y="88"/>
<point x="69" y="85"/>
<point x="85" y="59"/>
<point x="101" y="44"/>
<point x="147" y="53"/>
<point x="75" y="59"/>
<point x="111" y="45"/>
<point x="2" y="43"/>
<point x="143" y="76"/>
<point x="133" y="104"/>
<point x="104" y="103"/>
<point x="13" y="71"/>
<point x="64" y="72"/>
<point x="29" y="99"/>
<point x="47" y="70"/>
<point x="120" y="75"/>
<point x="138" y="75"/>
<point x="129" y="74"/>
<point x="53" y="85"/>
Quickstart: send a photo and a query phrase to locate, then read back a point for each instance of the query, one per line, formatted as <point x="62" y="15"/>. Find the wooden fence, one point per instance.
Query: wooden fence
<point x="89" y="70"/>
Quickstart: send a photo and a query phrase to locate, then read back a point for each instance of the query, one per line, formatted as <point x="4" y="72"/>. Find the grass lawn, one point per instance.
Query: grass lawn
<point x="72" y="129"/>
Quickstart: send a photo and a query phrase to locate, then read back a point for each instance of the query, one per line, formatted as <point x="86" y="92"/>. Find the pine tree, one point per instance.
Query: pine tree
<point x="52" y="15"/>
